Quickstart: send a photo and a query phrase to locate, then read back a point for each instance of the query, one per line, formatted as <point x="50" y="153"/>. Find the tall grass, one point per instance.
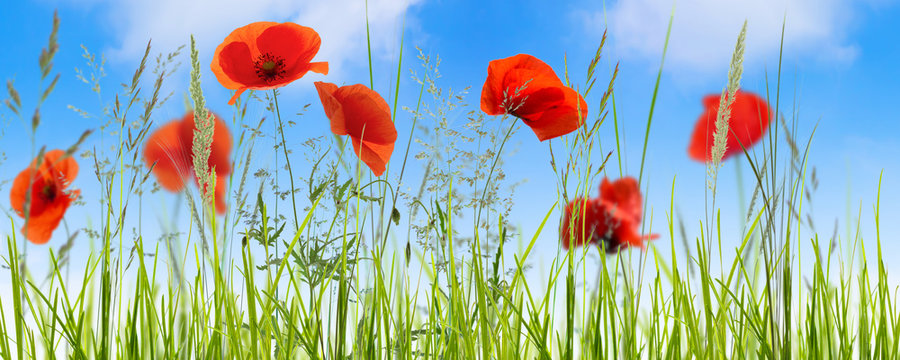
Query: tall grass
<point x="455" y="287"/>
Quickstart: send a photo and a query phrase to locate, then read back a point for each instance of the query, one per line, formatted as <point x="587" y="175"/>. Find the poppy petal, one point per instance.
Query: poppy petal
<point x="246" y="34"/>
<point x="220" y="154"/>
<point x="526" y="87"/>
<point x="333" y="108"/>
<point x="237" y="94"/>
<point x="511" y="76"/>
<point x="249" y="34"/>
<point x="236" y="61"/>
<point x="559" y="119"/>
<point x="588" y="224"/>
<point x="532" y="102"/>
<point x="625" y="194"/>
<point x="44" y="191"/>
<point x="19" y="190"/>
<point x="65" y="167"/>
<point x="220" y="151"/>
<point x="358" y="111"/>
<point x="374" y="155"/>
<point x="319" y="67"/>
<point x="751" y="116"/>
<point x="711" y="100"/>
<point x="219" y="194"/>
<point x="626" y="232"/>
<point x="34" y="180"/>
<point x="700" y="146"/>
<point x="576" y="224"/>
<point x="41" y="225"/>
<point x="53" y="171"/>
<point x="294" y="43"/>
<point x="367" y="115"/>
<point x="166" y="149"/>
<point x="749" y="120"/>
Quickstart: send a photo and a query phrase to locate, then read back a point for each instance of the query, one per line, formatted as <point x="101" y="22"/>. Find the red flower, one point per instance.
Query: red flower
<point x="625" y="196"/>
<point x="266" y="55"/>
<point x="358" y="111"/>
<point x="49" y="198"/>
<point x="527" y="88"/>
<point x="750" y="116"/>
<point x="170" y="147"/>
<point x="219" y="193"/>
<point x="611" y="221"/>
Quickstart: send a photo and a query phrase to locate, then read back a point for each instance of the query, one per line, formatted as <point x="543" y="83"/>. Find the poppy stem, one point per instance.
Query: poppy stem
<point x="286" y="158"/>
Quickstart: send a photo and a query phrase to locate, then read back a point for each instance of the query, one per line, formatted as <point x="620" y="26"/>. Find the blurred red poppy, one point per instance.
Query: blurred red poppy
<point x="612" y="221"/>
<point x="219" y="193"/>
<point x="625" y="196"/>
<point x="360" y="112"/>
<point x="170" y="148"/>
<point x="266" y="55"/>
<point x="49" y="197"/>
<point x="750" y="117"/>
<point x="527" y="88"/>
<point x="220" y="151"/>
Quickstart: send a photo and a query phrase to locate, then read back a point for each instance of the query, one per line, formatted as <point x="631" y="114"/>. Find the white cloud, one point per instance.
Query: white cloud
<point x="340" y="23"/>
<point x="704" y="31"/>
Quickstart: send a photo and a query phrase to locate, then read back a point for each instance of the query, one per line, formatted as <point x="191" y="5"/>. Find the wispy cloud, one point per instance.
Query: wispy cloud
<point x="704" y="31"/>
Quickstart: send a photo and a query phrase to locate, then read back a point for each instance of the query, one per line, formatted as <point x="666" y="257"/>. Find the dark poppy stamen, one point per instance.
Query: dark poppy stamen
<point x="269" y="68"/>
<point x="48" y="193"/>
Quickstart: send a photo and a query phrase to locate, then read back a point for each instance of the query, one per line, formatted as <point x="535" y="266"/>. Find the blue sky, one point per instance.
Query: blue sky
<point x="839" y="64"/>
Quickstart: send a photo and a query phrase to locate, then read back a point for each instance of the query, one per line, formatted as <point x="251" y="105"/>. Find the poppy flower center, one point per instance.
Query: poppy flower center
<point x="48" y="193"/>
<point x="269" y="68"/>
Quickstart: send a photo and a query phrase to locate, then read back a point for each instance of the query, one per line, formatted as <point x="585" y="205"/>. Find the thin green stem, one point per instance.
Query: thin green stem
<point x="487" y="181"/>
<point x="286" y="158"/>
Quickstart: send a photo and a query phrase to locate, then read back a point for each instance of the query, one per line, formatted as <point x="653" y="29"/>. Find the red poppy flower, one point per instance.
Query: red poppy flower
<point x="170" y="147"/>
<point x="750" y="116"/>
<point x="612" y="221"/>
<point x="266" y="55"/>
<point x="624" y="195"/>
<point x="527" y="88"/>
<point x="358" y="111"/>
<point x="49" y="198"/>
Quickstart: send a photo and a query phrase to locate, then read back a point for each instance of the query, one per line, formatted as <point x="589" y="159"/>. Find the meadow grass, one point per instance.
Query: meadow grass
<point x="321" y="280"/>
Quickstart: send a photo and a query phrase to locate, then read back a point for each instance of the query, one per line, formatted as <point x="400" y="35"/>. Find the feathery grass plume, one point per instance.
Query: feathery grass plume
<point x="45" y="61"/>
<point x="203" y="135"/>
<point x="725" y="102"/>
<point x="96" y="68"/>
<point x="14" y="102"/>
